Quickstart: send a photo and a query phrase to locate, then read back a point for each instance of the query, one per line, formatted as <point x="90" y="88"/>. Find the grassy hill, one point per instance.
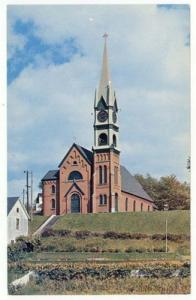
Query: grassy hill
<point x="143" y="222"/>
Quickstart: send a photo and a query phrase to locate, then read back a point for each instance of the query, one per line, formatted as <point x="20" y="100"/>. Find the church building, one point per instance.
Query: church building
<point x="95" y="181"/>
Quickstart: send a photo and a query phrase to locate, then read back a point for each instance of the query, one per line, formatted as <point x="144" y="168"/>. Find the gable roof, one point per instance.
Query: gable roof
<point x="130" y="185"/>
<point x="87" y="154"/>
<point x="76" y="186"/>
<point x="11" y="202"/>
<point x="51" y="175"/>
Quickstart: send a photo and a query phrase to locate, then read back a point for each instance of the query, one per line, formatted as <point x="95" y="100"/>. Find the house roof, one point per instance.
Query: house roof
<point x="130" y="185"/>
<point x="87" y="154"/>
<point x="11" y="202"/>
<point x="51" y="175"/>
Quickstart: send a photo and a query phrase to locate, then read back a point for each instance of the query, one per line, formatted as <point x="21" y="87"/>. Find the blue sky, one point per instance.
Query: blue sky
<point x="54" y="61"/>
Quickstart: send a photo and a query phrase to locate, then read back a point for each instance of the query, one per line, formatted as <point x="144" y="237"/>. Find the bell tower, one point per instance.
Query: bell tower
<point x="106" y="176"/>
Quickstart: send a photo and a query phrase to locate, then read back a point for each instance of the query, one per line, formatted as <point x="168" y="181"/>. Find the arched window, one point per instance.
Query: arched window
<point x="104" y="199"/>
<point x="134" y="205"/>
<point x="75" y="175"/>
<point x="105" y="174"/>
<point x="114" y="140"/>
<point x="141" y="206"/>
<point x="126" y="204"/>
<point x="74" y="162"/>
<point x="100" y="175"/>
<point x="53" y="189"/>
<point x="148" y="208"/>
<point x="53" y="203"/>
<point x="103" y="139"/>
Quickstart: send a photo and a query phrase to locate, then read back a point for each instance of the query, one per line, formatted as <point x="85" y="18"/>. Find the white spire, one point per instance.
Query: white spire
<point x="105" y="88"/>
<point x="105" y="78"/>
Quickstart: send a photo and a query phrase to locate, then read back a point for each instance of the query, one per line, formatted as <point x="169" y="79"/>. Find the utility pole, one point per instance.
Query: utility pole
<point x="27" y="190"/>
<point x="23" y="196"/>
<point x="166" y="235"/>
<point x="31" y="195"/>
<point x="166" y="207"/>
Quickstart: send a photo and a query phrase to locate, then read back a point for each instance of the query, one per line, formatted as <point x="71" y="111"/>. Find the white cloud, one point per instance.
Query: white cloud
<point x="48" y="104"/>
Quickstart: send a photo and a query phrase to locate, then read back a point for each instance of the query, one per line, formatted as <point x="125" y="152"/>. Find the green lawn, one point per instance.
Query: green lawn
<point x="36" y="222"/>
<point x="143" y="222"/>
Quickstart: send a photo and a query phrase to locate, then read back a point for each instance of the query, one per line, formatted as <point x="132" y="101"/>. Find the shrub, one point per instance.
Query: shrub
<point x="63" y="232"/>
<point x="22" y="245"/>
<point x="48" y="232"/>
<point x="82" y="234"/>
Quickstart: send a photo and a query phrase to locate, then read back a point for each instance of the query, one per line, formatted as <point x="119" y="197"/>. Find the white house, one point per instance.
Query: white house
<point x="38" y="203"/>
<point x="17" y="218"/>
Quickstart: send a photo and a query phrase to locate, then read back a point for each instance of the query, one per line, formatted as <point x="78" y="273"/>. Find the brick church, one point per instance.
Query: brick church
<point x="94" y="181"/>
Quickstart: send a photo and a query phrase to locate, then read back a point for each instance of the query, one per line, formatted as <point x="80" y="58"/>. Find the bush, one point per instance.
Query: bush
<point x="82" y="234"/>
<point x="48" y="232"/>
<point x="22" y="245"/>
<point x="63" y="232"/>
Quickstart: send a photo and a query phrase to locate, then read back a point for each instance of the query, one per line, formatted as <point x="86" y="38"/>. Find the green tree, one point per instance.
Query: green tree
<point x="167" y="190"/>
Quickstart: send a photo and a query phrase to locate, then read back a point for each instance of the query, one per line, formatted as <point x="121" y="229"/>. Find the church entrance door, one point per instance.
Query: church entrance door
<point x="116" y="202"/>
<point x="75" y="203"/>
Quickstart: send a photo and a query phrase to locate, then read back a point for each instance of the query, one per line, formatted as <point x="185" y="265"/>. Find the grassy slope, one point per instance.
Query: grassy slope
<point x="36" y="222"/>
<point x="143" y="222"/>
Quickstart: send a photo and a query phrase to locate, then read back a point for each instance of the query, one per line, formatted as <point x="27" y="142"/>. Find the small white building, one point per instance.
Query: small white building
<point x="17" y="218"/>
<point x="38" y="203"/>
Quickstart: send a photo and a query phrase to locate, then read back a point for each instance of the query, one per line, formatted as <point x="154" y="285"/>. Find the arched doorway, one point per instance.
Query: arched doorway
<point x="116" y="202"/>
<point x="75" y="203"/>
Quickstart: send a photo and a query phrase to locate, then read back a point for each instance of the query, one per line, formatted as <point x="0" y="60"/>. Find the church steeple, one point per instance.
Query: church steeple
<point x="105" y="109"/>
<point x="105" y="77"/>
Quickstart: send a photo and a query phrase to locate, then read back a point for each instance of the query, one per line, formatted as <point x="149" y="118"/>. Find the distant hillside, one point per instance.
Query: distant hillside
<point x="144" y="222"/>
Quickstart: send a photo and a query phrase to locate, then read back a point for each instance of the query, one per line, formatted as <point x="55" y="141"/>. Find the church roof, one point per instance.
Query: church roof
<point x="87" y="154"/>
<point x="130" y="185"/>
<point x="51" y="175"/>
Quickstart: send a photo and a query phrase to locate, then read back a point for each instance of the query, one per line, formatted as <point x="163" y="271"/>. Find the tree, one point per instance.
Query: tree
<point x="168" y="190"/>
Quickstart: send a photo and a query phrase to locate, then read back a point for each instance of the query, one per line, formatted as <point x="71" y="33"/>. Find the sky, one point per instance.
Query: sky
<point x="54" y="63"/>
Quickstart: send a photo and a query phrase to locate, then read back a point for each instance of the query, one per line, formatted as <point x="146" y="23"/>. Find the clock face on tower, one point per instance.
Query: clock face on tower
<point x="102" y="116"/>
<point x="114" y="116"/>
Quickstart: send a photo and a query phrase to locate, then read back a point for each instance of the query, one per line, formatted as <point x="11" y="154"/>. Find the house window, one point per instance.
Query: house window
<point x="102" y="199"/>
<point x="100" y="175"/>
<point x="74" y="162"/>
<point x="126" y="204"/>
<point x="148" y="208"/>
<point x="17" y="209"/>
<point x="53" y="203"/>
<point x="134" y="205"/>
<point x="75" y="175"/>
<point x="53" y="189"/>
<point x="141" y="206"/>
<point x="105" y="174"/>
<point x="115" y="175"/>
<point x="17" y="223"/>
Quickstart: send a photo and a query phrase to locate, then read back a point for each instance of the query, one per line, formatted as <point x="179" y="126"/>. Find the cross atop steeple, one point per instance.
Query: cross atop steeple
<point x="105" y="36"/>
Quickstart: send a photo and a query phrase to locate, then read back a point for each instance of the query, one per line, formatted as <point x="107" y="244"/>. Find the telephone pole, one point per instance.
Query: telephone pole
<point x="31" y="195"/>
<point x="27" y="188"/>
